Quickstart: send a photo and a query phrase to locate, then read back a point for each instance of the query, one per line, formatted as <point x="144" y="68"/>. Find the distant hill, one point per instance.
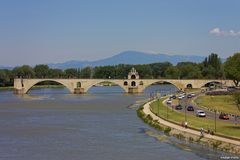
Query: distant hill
<point x="129" y="57"/>
<point x="5" y="67"/>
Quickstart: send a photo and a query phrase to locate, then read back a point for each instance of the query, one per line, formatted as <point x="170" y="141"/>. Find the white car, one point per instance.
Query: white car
<point x="193" y="94"/>
<point x="200" y="113"/>
<point x="180" y="97"/>
<point x="169" y="101"/>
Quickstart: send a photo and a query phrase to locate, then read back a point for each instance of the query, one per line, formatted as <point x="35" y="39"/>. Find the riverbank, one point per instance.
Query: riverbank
<point x="34" y="87"/>
<point x="224" y="144"/>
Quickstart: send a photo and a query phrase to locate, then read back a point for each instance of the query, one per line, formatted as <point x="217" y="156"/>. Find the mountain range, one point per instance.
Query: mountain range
<point x="129" y="57"/>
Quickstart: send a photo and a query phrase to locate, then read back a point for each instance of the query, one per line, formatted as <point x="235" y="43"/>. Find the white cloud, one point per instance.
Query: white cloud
<point x="219" y="32"/>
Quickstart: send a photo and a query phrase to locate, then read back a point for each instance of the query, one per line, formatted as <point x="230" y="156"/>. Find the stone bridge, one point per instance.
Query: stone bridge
<point x="133" y="84"/>
<point x="22" y="86"/>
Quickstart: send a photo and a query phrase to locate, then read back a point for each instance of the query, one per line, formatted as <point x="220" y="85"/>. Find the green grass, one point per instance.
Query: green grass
<point x="222" y="103"/>
<point x="224" y="128"/>
<point x="6" y="88"/>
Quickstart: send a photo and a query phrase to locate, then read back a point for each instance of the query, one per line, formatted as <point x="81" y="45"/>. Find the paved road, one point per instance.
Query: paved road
<point x="209" y="114"/>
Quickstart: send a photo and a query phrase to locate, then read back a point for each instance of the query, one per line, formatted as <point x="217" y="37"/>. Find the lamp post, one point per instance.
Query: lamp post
<point x="185" y="114"/>
<point x="167" y="112"/>
<point x="215" y="119"/>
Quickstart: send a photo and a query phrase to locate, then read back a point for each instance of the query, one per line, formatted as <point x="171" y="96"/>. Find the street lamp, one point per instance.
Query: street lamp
<point x="185" y="113"/>
<point x="215" y="119"/>
<point x="167" y="112"/>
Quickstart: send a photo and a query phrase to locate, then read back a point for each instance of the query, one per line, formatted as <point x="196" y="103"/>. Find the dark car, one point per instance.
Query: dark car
<point x="223" y="116"/>
<point x="174" y="97"/>
<point x="189" y="96"/>
<point x="190" y="108"/>
<point x="178" y="107"/>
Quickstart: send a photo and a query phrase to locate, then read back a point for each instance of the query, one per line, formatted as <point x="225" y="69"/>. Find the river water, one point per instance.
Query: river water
<point x="55" y="125"/>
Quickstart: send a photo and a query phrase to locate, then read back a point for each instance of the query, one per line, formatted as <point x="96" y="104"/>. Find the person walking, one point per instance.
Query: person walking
<point x="201" y="132"/>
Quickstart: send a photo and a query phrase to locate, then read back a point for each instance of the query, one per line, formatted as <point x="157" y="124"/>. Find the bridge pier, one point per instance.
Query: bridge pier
<point x="79" y="90"/>
<point x="18" y="91"/>
<point x="133" y="90"/>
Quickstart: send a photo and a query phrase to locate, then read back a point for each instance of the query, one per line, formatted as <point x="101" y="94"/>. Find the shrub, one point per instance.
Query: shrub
<point x="167" y="130"/>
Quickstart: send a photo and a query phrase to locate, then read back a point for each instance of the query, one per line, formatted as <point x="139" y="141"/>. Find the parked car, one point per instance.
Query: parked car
<point x="190" y="108"/>
<point x="223" y="116"/>
<point x="169" y="101"/>
<point x="174" y="97"/>
<point x="189" y="96"/>
<point x="200" y="113"/>
<point x="193" y="94"/>
<point x="178" y="107"/>
<point x="180" y="97"/>
<point x="231" y="88"/>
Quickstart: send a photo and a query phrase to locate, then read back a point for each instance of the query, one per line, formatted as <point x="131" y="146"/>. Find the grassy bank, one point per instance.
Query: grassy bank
<point x="182" y="135"/>
<point x="223" y="128"/>
<point x="222" y="103"/>
<point x="6" y="88"/>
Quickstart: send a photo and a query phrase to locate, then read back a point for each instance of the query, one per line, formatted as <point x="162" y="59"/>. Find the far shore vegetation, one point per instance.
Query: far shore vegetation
<point x="35" y="87"/>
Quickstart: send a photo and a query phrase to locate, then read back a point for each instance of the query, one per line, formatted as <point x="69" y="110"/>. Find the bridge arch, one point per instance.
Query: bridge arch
<point x="120" y="84"/>
<point x="79" y="84"/>
<point x="146" y="85"/>
<point x="212" y="83"/>
<point x="133" y="84"/>
<point x="189" y="86"/>
<point x="30" y="84"/>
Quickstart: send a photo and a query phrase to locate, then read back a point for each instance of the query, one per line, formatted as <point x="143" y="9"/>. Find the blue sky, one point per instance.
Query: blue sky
<point x="33" y="32"/>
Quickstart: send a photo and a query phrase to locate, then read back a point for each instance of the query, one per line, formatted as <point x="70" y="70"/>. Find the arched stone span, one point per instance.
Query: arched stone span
<point x="28" y="84"/>
<point x="212" y="82"/>
<point x="119" y="83"/>
<point x="149" y="83"/>
<point x="189" y="86"/>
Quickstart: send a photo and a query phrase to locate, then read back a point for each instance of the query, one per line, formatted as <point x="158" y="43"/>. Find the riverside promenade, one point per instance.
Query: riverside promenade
<point x="147" y="111"/>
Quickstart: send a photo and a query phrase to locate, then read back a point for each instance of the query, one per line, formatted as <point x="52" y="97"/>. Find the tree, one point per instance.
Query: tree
<point x="41" y="71"/>
<point x="3" y="78"/>
<point x="105" y="72"/>
<point x="159" y="69"/>
<point x="71" y="73"/>
<point x="232" y="68"/>
<point x="144" y="71"/>
<point x="55" y="73"/>
<point x="188" y="70"/>
<point x="172" y="72"/>
<point x="24" y="71"/>
<point x="86" y="72"/>
<point x="212" y="67"/>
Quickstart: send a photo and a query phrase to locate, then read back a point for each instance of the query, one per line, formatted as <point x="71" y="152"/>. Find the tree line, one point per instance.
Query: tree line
<point x="211" y="68"/>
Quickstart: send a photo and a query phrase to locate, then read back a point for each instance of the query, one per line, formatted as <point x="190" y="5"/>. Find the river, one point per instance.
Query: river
<point x="53" y="124"/>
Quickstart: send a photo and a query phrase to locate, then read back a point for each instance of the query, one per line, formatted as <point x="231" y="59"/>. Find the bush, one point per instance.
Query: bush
<point x="167" y="130"/>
